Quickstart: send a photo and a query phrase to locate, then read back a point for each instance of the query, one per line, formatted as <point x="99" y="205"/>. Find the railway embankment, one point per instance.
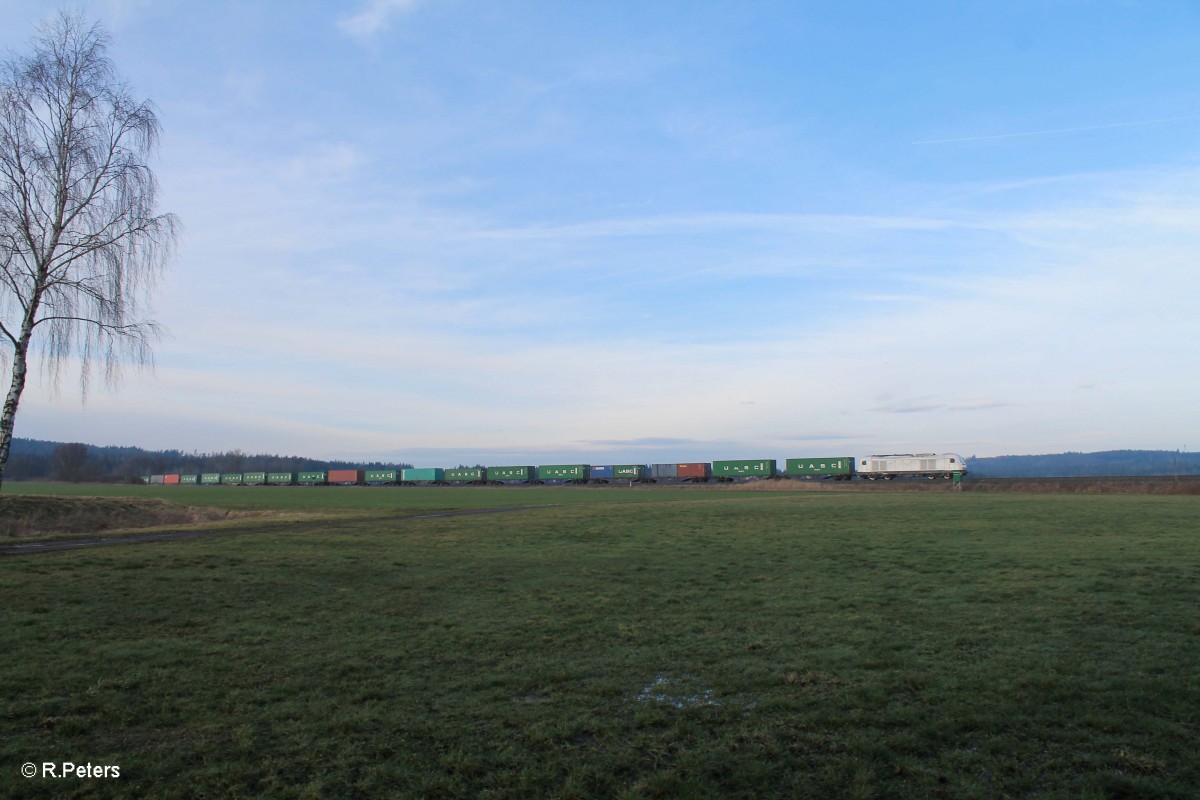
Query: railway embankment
<point x="1157" y="484"/>
<point x="1149" y="485"/>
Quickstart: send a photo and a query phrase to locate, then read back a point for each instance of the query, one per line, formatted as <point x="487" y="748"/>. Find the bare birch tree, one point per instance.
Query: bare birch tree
<point x="81" y="243"/>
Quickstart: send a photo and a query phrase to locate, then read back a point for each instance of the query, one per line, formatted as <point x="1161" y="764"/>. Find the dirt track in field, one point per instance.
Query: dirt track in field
<point x="31" y="548"/>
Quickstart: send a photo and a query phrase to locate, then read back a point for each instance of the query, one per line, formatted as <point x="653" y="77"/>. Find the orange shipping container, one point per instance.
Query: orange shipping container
<point x="345" y="476"/>
<point x="170" y="479"/>
<point x="702" y="471"/>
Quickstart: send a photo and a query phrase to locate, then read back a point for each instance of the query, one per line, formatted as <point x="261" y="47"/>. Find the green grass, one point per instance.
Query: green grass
<point x="418" y="499"/>
<point x="685" y="645"/>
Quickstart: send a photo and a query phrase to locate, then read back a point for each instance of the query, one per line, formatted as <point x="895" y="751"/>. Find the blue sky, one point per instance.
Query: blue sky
<point x="445" y="231"/>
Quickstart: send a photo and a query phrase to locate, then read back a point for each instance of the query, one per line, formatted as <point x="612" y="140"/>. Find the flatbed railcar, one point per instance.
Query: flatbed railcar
<point x="564" y="473"/>
<point x="725" y="471"/>
<point x="498" y="476"/>
<point x="476" y="476"/>
<point x="619" y="473"/>
<point x="838" y="468"/>
<point x="345" y="477"/>
<point x="381" y="477"/>
<point x="423" y="476"/>
<point x="635" y="473"/>
<point x="664" y="473"/>
<point x="695" y="471"/>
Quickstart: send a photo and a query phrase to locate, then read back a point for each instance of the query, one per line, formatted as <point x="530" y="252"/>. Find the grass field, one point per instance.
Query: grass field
<point x="411" y="500"/>
<point x="620" y="644"/>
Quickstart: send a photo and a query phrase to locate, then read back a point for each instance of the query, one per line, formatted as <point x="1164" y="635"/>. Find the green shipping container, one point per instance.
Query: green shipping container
<point x="564" y="472"/>
<point x="254" y="478"/>
<point x="381" y="476"/>
<point x="189" y="480"/>
<point x="829" y="467"/>
<point x="210" y="478"/>
<point x="310" y="478"/>
<point x="231" y="478"/>
<point x="630" y="472"/>
<point x="511" y="473"/>
<point x="466" y="474"/>
<point x="281" y="478"/>
<point x="425" y="474"/>
<point x="750" y="468"/>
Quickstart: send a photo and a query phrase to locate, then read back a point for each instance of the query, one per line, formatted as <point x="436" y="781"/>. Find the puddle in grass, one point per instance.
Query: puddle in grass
<point x="665" y="689"/>
<point x="677" y="692"/>
<point x="674" y="692"/>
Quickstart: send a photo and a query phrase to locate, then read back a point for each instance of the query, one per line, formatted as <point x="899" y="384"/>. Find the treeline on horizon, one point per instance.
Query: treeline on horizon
<point x="1108" y="463"/>
<point x="40" y="460"/>
<point x="76" y="462"/>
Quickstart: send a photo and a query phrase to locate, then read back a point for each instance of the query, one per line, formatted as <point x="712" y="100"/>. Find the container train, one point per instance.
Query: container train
<point x="950" y="466"/>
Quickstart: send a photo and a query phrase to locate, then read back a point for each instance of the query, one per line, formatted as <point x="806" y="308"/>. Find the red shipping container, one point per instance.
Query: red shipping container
<point x="346" y="476"/>
<point x="695" y="470"/>
<point x="170" y="479"/>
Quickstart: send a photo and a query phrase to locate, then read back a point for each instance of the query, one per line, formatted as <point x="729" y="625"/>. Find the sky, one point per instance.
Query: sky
<point x="456" y="231"/>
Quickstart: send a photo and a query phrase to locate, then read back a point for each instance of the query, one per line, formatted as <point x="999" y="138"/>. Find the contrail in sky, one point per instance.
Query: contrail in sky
<point x="1057" y="130"/>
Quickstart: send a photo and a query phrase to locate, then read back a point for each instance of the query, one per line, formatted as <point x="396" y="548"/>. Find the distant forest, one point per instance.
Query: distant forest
<point x="1109" y="463"/>
<point x="38" y="460"/>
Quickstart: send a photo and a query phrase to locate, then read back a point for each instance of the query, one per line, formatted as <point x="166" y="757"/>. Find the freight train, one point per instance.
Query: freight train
<point x="949" y="466"/>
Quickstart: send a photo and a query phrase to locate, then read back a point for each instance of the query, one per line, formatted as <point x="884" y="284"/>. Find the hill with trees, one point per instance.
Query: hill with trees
<point x="40" y="460"/>
<point x="1109" y="463"/>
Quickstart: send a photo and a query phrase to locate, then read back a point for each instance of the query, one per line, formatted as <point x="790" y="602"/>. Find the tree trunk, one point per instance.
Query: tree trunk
<point x="8" y="417"/>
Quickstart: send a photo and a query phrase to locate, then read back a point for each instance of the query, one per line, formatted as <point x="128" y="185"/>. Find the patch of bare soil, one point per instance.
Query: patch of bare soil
<point x="28" y="515"/>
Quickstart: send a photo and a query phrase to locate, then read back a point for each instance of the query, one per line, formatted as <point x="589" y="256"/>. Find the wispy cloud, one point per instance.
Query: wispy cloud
<point x="1059" y="131"/>
<point x="644" y="441"/>
<point x="924" y="405"/>
<point x="822" y="437"/>
<point x="245" y="87"/>
<point x="325" y="161"/>
<point x="706" y="222"/>
<point x="375" y="17"/>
